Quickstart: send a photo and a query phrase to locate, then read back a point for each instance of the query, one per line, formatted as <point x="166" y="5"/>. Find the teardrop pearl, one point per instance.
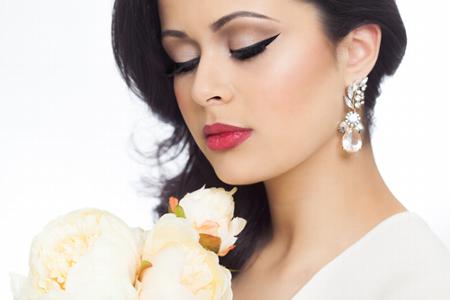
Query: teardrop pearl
<point x="351" y="140"/>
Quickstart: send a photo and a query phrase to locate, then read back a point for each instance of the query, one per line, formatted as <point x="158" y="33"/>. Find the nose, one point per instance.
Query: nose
<point x="211" y="84"/>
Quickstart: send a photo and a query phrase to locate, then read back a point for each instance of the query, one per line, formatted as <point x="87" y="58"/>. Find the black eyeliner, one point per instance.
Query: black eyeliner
<point x="242" y="54"/>
<point x="177" y="67"/>
<point x="256" y="46"/>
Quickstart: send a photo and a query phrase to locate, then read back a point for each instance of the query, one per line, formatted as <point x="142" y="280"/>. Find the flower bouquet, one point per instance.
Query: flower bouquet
<point x="90" y="254"/>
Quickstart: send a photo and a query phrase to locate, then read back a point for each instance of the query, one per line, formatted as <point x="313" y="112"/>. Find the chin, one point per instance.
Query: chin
<point x="237" y="176"/>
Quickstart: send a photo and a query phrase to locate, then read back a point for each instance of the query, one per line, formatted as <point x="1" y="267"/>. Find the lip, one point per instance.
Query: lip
<point x="221" y="136"/>
<point x="217" y="128"/>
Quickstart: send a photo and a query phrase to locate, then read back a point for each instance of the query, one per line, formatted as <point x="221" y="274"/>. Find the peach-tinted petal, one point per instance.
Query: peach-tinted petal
<point x="173" y="203"/>
<point x="208" y="227"/>
<point x="225" y="252"/>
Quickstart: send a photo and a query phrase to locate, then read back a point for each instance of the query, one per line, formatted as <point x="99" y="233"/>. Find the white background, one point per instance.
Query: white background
<point x="66" y="120"/>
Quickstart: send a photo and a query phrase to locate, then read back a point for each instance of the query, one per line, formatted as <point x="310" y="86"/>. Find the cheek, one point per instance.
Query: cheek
<point x="303" y="88"/>
<point x="189" y="110"/>
<point x="181" y="94"/>
<point x="296" y="100"/>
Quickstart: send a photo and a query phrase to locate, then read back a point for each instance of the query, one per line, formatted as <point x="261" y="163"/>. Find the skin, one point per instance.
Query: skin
<point x="322" y="200"/>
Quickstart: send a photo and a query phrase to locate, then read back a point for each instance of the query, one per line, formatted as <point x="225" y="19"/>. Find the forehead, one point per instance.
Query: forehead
<point x="200" y="14"/>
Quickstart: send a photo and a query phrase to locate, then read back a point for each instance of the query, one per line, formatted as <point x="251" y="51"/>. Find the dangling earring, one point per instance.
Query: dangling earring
<point x="352" y="127"/>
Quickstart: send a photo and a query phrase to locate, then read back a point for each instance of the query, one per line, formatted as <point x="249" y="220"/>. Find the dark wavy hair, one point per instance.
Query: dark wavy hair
<point x="143" y="64"/>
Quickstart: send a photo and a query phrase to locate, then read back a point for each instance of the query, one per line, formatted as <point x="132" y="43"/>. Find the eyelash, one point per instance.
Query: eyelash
<point x="241" y="54"/>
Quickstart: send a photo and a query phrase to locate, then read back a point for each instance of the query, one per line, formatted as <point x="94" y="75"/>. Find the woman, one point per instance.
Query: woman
<point x="294" y="84"/>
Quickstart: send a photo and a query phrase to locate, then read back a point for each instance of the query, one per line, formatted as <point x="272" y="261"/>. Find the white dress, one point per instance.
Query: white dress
<point x="400" y="258"/>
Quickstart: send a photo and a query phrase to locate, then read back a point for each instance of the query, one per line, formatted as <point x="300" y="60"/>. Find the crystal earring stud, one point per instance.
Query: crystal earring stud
<point x="352" y="127"/>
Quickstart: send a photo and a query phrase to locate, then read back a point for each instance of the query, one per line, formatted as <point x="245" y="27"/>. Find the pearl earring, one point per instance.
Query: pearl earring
<point x="352" y="127"/>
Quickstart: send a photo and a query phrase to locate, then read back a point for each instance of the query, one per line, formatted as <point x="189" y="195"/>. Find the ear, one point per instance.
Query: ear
<point x="359" y="52"/>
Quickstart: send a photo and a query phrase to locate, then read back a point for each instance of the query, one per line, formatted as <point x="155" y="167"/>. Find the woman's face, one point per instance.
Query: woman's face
<point x="290" y="94"/>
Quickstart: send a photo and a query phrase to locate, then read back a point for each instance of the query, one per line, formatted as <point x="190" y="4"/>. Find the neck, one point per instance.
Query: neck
<point x="327" y="202"/>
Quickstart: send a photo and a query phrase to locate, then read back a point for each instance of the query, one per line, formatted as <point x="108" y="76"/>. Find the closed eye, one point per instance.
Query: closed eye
<point x="240" y="54"/>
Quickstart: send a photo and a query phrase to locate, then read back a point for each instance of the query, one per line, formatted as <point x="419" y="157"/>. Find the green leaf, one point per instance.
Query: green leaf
<point x="179" y="212"/>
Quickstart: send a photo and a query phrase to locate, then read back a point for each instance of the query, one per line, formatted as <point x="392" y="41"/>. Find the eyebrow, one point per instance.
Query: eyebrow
<point x="219" y="23"/>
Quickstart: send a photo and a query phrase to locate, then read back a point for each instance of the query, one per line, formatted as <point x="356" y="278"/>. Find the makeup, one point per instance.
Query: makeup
<point x="221" y="136"/>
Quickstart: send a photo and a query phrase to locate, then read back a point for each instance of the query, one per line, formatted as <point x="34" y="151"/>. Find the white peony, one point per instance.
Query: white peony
<point x="180" y="267"/>
<point x="211" y="210"/>
<point x="87" y="254"/>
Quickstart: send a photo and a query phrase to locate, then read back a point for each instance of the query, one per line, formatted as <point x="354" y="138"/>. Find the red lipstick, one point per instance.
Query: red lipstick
<point x="221" y="136"/>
